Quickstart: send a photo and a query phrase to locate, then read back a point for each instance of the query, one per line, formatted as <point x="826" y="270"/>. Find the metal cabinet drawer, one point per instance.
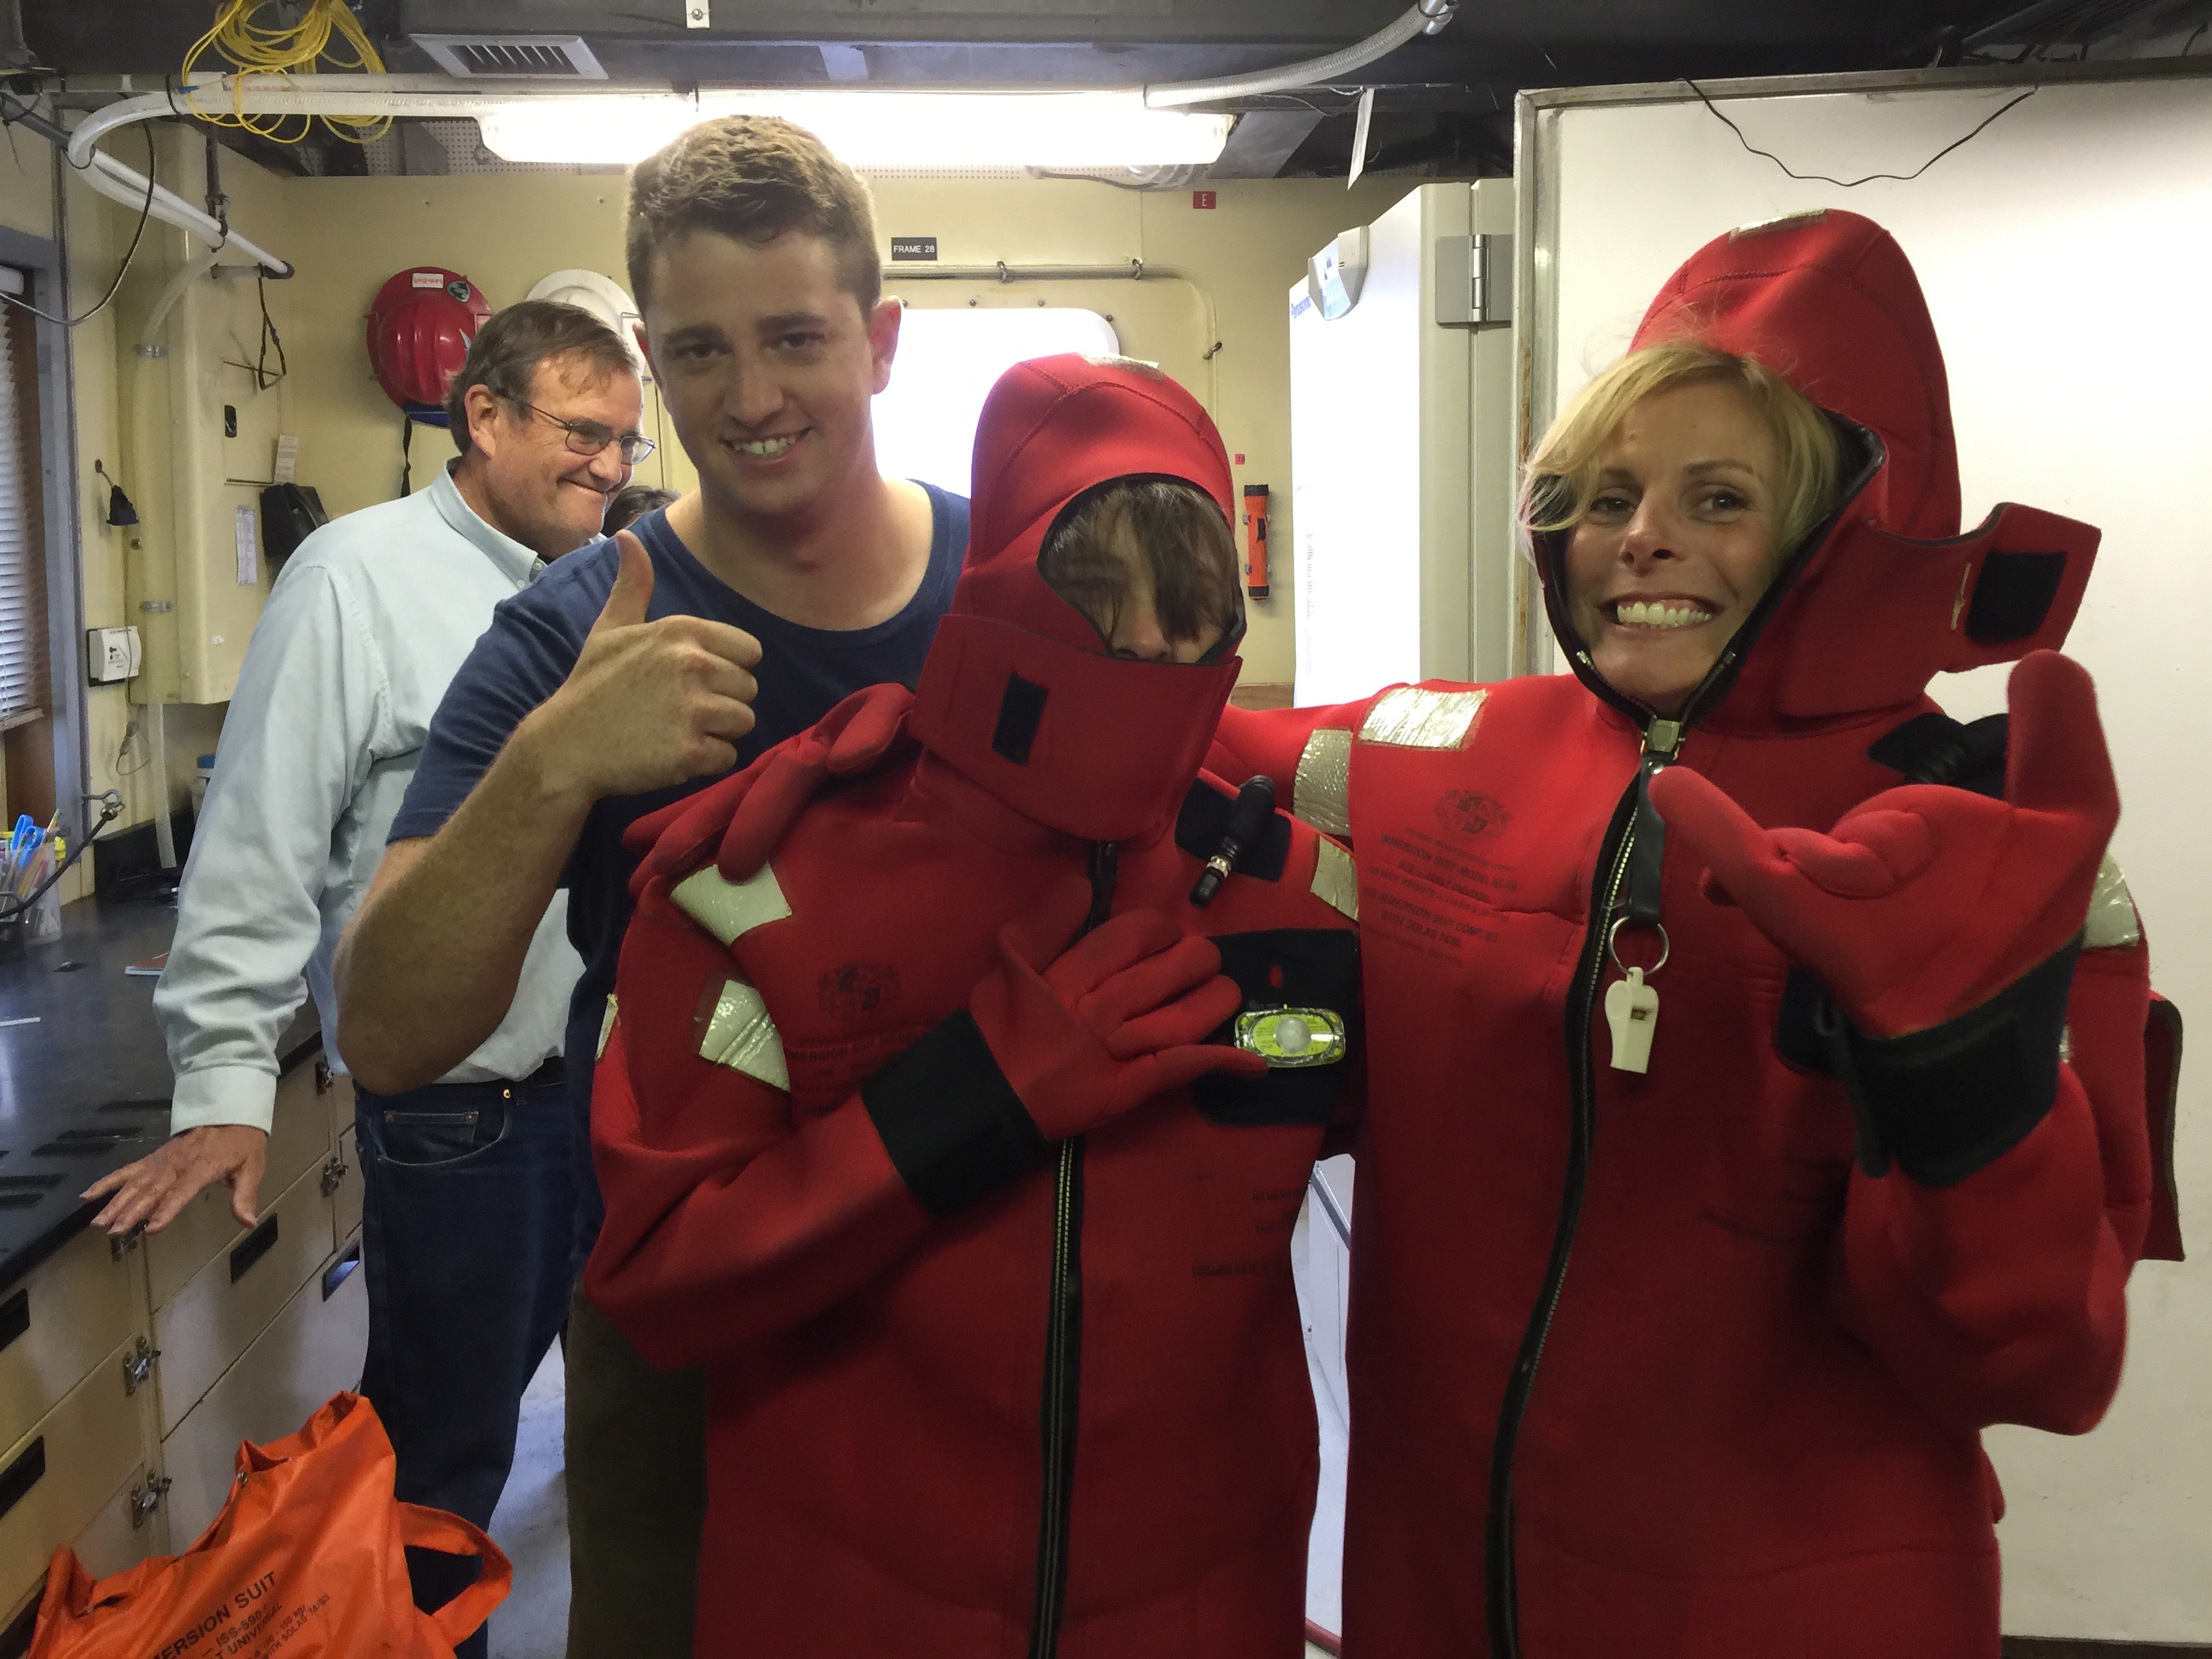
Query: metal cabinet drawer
<point x="313" y="1348"/>
<point x="58" y="1320"/>
<point x="299" y="1140"/>
<point x="210" y="1323"/>
<point x="54" y="1481"/>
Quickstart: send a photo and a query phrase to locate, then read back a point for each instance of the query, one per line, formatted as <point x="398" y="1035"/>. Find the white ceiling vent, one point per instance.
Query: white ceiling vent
<point x="539" y="57"/>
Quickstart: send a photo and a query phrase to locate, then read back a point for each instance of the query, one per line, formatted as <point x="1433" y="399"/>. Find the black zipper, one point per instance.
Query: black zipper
<point x="1497" y="1532"/>
<point x="1063" y="1343"/>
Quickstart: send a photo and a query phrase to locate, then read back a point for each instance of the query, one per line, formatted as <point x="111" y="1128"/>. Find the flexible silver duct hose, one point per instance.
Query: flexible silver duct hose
<point x="1425" y="17"/>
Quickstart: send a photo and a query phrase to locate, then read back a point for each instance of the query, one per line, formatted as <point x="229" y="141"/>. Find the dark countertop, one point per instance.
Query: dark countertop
<point x="86" y="1088"/>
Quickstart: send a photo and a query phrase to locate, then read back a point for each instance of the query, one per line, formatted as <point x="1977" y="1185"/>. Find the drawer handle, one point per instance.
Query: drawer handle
<point x="258" y="1243"/>
<point x="138" y="1366"/>
<point x="145" y="1499"/>
<point x="340" y="1270"/>
<point x="334" y="1175"/>
<point x="23" y="1474"/>
<point x="15" y="1317"/>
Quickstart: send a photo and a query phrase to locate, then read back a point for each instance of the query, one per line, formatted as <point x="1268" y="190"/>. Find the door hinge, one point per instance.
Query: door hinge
<point x="145" y="1499"/>
<point x="334" y="1175"/>
<point x="138" y="1366"/>
<point x="1475" y="280"/>
<point x="122" y="1244"/>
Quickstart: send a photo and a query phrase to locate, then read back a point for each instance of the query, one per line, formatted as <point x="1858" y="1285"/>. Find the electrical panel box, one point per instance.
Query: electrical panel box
<point x="111" y="654"/>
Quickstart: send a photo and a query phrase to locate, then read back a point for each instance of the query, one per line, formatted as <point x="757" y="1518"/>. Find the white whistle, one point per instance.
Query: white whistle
<point x="1631" y="1009"/>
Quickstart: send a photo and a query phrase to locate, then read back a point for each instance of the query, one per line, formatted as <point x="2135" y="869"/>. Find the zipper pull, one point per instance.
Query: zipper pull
<point x="1631" y="1010"/>
<point x="1640" y="897"/>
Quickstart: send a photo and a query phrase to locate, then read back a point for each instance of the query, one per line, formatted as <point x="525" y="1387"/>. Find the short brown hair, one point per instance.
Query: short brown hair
<point x="632" y="502"/>
<point x="754" y="178"/>
<point x="1173" y="530"/>
<point x="508" y="350"/>
<point x="1561" y="478"/>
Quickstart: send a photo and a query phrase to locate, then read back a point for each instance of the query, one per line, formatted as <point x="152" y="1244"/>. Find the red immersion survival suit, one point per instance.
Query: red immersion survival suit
<point x="969" y="1394"/>
<point x="1652" y="1366"/>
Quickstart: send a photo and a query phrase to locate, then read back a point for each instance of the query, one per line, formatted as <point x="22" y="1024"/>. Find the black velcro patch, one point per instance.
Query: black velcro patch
<point x="1286" y="967"/>
<point x="2013" y="596"/>
<point x="1205" y="817"/>
<point x="1020" y="709"/>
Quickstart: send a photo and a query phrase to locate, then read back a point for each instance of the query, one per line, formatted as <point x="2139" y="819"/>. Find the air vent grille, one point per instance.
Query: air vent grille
<point x="499" y="56"/>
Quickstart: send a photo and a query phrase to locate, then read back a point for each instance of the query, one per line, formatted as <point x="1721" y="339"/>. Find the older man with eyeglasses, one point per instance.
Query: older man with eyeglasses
<point x="468" y="1234"/>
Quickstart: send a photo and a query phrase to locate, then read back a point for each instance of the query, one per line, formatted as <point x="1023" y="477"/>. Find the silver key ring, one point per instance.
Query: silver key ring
<point x="1612" y="945"/>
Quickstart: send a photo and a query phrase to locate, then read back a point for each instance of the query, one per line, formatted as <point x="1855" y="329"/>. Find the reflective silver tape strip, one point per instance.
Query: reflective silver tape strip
<point x="606" y="1026"/>
<point x="2111" y="923"/>
<point x="1320" y="792"/>
<point x="1336" y="879"/>
<point x="743" y="1037"/>
<point x="1413" y="718"/>
<point x="728" y="909"/>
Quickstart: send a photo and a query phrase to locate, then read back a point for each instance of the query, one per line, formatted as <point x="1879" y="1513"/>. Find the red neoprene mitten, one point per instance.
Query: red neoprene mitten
<point x="1940" y="923"/>
<point x="1925" y="901"/>
<point x="1085" y="1034"/>
<point x="744" y="818"/>
<point x="1054" y="1042"/>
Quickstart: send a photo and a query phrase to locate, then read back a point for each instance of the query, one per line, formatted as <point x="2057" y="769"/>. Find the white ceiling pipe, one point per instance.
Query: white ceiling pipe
<point x="127" y="186"/>
<point x="418" y="95"/>
<point x="1425" y="17"/>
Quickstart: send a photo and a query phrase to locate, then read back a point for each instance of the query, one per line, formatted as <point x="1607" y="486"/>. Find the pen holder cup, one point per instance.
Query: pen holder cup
<point x="44" y="919"/>
<point x="14" y="933"/>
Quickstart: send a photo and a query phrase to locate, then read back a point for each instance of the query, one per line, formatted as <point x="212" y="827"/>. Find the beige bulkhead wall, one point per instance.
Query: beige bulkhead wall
<point x="97" y="233"/>
<point x="506" y="231"/>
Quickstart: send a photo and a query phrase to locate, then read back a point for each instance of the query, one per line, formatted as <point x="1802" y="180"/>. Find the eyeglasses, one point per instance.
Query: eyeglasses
<point x="590" y="437"/>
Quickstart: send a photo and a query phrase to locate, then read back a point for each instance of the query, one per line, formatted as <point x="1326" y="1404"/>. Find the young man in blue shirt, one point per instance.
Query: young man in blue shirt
<point x="627" y="679"/>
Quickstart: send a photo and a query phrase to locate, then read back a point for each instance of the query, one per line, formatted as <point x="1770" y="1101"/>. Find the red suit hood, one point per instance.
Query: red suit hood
<point x="1886" y="593"/>
<point x="1016" y="693"/>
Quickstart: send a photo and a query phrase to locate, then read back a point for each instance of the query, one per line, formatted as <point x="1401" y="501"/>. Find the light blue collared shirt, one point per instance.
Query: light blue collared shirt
<point x="365" y="627"/>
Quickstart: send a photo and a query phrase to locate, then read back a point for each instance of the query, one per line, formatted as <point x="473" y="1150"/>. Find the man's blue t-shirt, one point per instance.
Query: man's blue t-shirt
<point x="534" y="641"/>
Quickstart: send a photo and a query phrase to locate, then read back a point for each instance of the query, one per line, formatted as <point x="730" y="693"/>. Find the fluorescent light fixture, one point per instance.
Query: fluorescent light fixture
<point x="870" y="128"/>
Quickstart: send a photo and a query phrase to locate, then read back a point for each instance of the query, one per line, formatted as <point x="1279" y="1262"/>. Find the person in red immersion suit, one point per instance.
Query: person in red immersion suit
<point x="1754" y="1118"/>
<point x="983" y="1234"/>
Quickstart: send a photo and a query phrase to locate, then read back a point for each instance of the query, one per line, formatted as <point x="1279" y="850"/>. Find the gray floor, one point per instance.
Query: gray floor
<point x="532" y="1526"/>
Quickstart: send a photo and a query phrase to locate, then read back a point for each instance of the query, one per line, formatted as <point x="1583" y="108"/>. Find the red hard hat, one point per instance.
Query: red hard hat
<point x="419" y="330"/>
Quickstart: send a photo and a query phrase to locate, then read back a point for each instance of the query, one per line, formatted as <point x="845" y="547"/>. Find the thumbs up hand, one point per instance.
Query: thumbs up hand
<point x="649" y="703"/>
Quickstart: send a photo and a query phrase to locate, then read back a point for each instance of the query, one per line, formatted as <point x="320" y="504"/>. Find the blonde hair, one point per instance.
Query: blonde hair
<point x="1560" y="479"/>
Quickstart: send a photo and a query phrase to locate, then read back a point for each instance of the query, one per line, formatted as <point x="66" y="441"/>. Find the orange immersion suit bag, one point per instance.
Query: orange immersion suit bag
<point x="306" y="1561"/>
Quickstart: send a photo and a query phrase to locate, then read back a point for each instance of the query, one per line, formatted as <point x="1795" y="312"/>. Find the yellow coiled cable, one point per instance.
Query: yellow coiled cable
<point x="249" y="47"/>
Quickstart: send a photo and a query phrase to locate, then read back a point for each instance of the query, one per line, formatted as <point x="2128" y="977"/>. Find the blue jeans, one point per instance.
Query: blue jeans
<point x="469" y="1249"/>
